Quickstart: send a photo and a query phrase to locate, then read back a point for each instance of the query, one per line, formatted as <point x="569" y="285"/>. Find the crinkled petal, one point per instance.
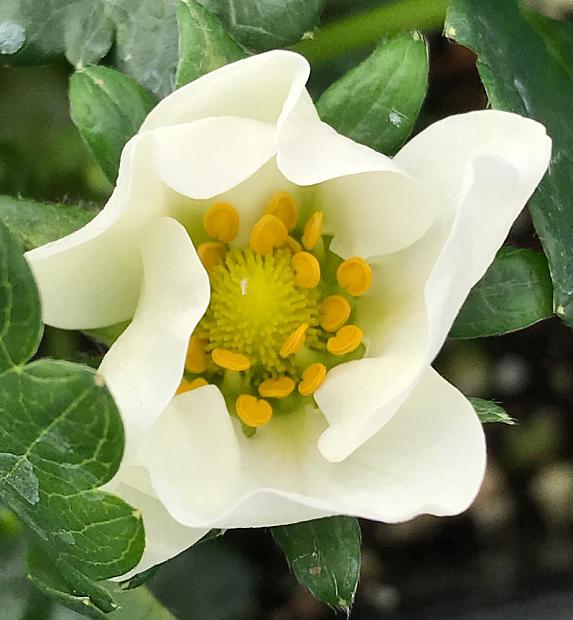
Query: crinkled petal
<point x="212" y="155"/>
<point x="372" y="207"/>
<point x="263" y="87"/>
<point x="478" y="171"/>
<point x="144" y="366"/>
<point x="92" y="277"/>
<point x="429" y="458"/>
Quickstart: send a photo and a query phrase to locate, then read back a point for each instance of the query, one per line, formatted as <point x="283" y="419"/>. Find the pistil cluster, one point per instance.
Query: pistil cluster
<point x="280" y="311"/>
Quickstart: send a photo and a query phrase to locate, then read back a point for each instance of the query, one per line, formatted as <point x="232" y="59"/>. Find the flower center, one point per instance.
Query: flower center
<point x="279" y="313"/>
<point x="255" y="305"/>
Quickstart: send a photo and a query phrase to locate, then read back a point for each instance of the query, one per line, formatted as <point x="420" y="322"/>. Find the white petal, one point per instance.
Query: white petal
<point x="164" y="537"/>
<point x="372" y="207"/>
<point x="212" y="155"/>
<point x="488" y="165"/>
<point x="478" y="171"/>
<point x="144" y="367"/>
<point x="92" y="277"/>
<point x="261" y="87"/>
<point x="429" y="458"/>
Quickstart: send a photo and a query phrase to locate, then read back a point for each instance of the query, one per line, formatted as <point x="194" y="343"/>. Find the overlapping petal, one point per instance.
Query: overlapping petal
<point x="429" y="458"/>
<point x="477" y="171"/>
<point x="144" y="367"/>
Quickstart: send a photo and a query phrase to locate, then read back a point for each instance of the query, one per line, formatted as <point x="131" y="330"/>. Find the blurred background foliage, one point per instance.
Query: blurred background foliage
<point x="509" y="556"/>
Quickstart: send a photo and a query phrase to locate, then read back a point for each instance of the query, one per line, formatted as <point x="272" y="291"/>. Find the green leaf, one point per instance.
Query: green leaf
<point x="515" y="292"/>
<point x="489" y="411"/>
<point x="61" y="437"/>
<point x="138" y="604"/>
<point x="20" y="320"/>
<point x="378" y="102"/>
<point x="35" y="223"/>
<point x="90" y="600"/>
<point x="146" y="42"/>
<point x="203" y="43"/>
<point x="266" y="24"/>
<point x="107" y="335"/>
<point x="557" y="36"/>
<point x="108" y="108"/>
<point x="325" y="557"/>
<point x="33" y="30"/>
<point x="522" y="74"/>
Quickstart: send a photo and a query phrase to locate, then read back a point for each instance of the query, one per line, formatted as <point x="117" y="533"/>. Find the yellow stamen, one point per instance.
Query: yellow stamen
<point x="211" y="254"/>
<point x="347" y="339"/>
<point x="277" y="388"/>
<point x="196" y="361"/>
<point x="188" y="386"/>
<point x="312" y="378"/>
<point x="312" y="230"/>
<point x="252" y="411"/>
<point x="293" y="245"/>
<point x="355" y="276"/>
<point x="221" y="222"/>
<point x="230" y="360"/>
<point x="334" y="312"/>
<point x="283" y="206"/>
<point x="295" y="341"/>
<point x="307" y="270"/>
<point x="267" y="234"/>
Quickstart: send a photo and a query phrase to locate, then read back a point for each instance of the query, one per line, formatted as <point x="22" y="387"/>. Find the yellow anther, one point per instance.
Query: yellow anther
<point x="293" y="245"/>
<point x="196" y="361"/>
<point x="354" y="275"/>
<point x="283" y="206"/>
<point x="295" y="341"/>
<point x="307" y="270"/>
<point x="277" y="388"/>
<point x="230" y="360"/>
<point x="312" y="230"/>
<point x="312" y="378"/>
<point x="211" y="253"/>
<point x="188" y="386"/>
<point x="334" y="312"/>
<point x="267" y="234"/>
<point x="221" y="222"/>
<point x="252" y="411"/>
<point x="347" y="339"/>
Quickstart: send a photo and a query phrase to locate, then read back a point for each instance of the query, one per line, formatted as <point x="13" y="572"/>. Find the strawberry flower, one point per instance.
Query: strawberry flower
<point x="287" y="291"/>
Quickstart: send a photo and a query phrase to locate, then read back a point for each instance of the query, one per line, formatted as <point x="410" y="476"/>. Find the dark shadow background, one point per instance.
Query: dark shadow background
<point x="509" y="557"/>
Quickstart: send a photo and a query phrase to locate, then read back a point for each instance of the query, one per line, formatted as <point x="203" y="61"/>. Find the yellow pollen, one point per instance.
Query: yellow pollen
<point x="347" y="339"/>
<point x="334" y="312"/>
<point x="295" y="341"/>
<point x="188" y="386"/>
<point x="255" y="305"/>
<point x="283" y="206"/>
<point x="252" y="411"/>
<point x="230" y="360"/>
<point x="211" y="254"/>
<point x="196" y="361"/>
<point x="221" y="222"/>
<point x="312" y="230"/>
<point x="293" y="245"/>
<point x="355" y="276"/>
<point x="267" y="234"/>
<point x="277" y="388"/>
<point x="312" y="378"/>
<point x="307" y="270"/>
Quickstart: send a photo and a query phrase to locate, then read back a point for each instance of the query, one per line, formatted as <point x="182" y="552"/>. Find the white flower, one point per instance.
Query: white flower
<point x="391" y="439"/>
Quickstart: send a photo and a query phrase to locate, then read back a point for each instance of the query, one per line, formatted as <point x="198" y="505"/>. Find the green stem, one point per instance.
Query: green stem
<point x="366" y="29"/>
